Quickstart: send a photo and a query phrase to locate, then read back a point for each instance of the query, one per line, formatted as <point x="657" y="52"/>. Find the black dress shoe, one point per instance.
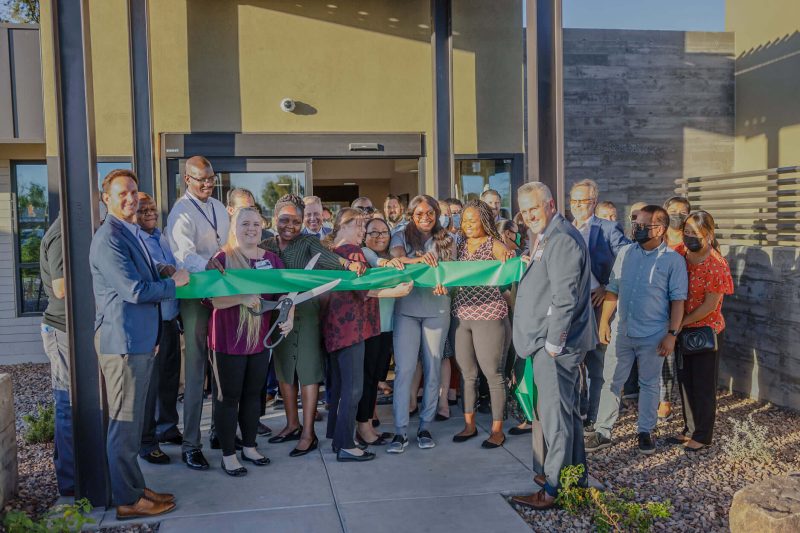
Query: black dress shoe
<point x="294" y="435"/>
<point x="297" y="452"/>
<point x="176" y="440"/>
<point x="519" y="431"/>
<point x="213" y="442"/>
<point x="441" y="418"/>
<point x="156" y="457"/>
<point x="345" y="457"/>
<point x="195" y="460"/>
<point x="236" y="472"/>
<point x="263" y="461"/>
<point x="464" y="438"/>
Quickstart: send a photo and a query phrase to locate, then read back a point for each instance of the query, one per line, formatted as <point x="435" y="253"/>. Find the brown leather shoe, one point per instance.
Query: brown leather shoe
<point x="158" y="497"/>
<point x="540" y="479"/>
<point x="538" y="500"/>
<point x="143" y="508"/>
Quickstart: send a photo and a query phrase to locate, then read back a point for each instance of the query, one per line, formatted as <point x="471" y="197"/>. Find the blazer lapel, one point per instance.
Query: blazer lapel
<point x="132" y="241"/>
<point x="594" y="234"/>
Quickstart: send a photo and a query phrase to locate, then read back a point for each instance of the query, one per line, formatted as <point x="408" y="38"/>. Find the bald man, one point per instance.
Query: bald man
<point x="197" y="227"/>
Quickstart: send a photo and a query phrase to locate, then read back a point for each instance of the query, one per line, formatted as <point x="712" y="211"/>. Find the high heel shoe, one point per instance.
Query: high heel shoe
<point x="294" y="435"/>
<point x="297" y="452"/>
<point x="236" y="472"/>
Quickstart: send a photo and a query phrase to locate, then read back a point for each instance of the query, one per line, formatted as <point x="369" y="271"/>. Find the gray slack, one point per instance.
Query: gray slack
<point x="195" y="332"/>
<point x="127" y="379"/>
<point x="558" y="383"/>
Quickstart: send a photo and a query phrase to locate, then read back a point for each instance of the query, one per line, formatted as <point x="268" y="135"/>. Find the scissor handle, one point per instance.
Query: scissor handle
<point x="283" y="307"/>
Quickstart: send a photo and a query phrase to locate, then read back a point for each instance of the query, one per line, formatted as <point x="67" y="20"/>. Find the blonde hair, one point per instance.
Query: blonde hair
<point x="345" y="216"/>
<point x="249" y="324"/>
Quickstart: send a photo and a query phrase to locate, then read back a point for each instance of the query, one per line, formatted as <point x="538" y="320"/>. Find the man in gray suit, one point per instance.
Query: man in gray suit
<point x="128" y="292"/>
<point x="554" y="324"/>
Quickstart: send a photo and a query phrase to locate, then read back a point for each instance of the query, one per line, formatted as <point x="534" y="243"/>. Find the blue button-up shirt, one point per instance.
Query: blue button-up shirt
<point x="645" y="283"/>
<point x="161" y="255"/>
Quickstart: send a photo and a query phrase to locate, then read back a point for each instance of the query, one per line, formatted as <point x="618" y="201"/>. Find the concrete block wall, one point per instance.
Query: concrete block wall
<point x="643" y="108"/>
<point x="8" y="441"/>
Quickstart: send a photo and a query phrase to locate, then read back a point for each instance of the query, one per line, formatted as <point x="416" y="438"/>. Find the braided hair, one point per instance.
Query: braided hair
<point x="287" y="200"/>
<point x="486" y="217"/>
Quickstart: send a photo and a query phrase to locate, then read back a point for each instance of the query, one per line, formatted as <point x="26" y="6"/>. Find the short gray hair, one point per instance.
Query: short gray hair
<point x="591" y="184"/>
<point x="239" y="192"/>
<point x="308" y="200"/>
<point x="536" y="187"/>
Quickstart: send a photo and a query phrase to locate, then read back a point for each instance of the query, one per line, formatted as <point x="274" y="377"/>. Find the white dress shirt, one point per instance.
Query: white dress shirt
<point x="586" y="232"/>
<point x="191" y="234"/>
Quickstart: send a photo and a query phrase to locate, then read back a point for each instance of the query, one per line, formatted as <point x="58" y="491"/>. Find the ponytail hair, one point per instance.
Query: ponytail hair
<point x="345" y="216"/>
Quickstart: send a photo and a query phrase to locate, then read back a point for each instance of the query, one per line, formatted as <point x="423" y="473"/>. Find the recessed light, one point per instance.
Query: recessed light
<point x="332" y="6"/>
<point x="349" y="183"/>
<point x="414" y="170"/>
<point x="363" y="13"/>
<point x="392" y="19"/>
<point x="423" y="26"/>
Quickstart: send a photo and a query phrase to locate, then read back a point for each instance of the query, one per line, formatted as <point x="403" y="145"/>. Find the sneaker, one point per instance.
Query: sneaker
<point x="595" y="442"/>
<point x="425" y="440"/>
<point x="398" y="444"/>
<point x="646" y="444"/>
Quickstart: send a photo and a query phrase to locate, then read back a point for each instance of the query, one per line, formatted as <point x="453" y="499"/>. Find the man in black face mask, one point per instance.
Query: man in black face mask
<point x="648" y="286"/>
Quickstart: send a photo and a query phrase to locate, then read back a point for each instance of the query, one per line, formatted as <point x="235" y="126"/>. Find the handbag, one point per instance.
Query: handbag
<point x="693" y="341"/>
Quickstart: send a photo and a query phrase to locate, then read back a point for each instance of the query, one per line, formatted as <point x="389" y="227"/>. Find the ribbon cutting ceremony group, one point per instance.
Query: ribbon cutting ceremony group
<point x="528" y="312"/>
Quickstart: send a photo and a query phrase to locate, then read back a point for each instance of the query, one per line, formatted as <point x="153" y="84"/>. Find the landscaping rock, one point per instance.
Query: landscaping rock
<point x="770" y="506"/>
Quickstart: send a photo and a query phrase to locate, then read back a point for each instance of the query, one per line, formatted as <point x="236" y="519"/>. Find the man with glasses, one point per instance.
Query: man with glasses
<point x="363" y="203"/>
<point x="312" y="218"/>
<point x="647" y="287"/>
<point x="197" y="227"/>
<point x="604" y="241"/>
<point x="161" y="411"/>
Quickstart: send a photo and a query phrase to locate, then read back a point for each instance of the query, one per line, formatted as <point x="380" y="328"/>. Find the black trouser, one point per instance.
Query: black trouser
<point x="161" y="407"/>
<point x="697" y="376"/>
<point x="347" y="379"/>
<point x="377" y="352"/>
<point x="241" y="380"/>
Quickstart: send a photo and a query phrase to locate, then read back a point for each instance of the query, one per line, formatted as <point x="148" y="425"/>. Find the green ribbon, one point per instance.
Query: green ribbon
<point x="526" y="391"/>
<point x="212" y="283"/>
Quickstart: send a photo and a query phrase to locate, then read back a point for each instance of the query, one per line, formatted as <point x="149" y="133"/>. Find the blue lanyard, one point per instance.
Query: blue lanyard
<point x="213" y="212"/>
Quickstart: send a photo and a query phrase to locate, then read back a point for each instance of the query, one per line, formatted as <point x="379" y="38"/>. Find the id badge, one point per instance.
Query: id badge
<point x="538" y="255"/>
<point x="264" y="264"/>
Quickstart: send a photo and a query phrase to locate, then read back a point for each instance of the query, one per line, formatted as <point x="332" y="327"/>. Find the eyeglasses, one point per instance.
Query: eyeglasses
<point x="367" y="210"/>
<point x="582" y="202"/>
<point x="636" y="225"/>
<point x="211" y="180"/>
<point x="376" y="234"/>
<point x="146" y="212"/>
<point x="430" y="215"/>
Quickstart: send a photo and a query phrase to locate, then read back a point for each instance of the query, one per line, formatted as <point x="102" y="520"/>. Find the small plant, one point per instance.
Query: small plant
<point x="41" y="425"/>
<point x="60" y="519"/>
<point x="610" y="512"/>
<point x="749" y="441"/>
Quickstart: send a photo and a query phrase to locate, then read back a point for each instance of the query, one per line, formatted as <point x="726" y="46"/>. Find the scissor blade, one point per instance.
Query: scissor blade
<point x="312" y="262"/>
<point x="300" y="298"/>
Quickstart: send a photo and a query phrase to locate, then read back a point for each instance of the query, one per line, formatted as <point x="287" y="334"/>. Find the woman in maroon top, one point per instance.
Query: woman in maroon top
<point x="480" y="313"/>
<point x="236" y="338"/>
<point x="350" y="319"/>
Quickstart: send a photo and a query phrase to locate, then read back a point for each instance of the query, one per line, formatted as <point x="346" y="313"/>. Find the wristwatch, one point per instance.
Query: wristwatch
<point x="673" y="332"/>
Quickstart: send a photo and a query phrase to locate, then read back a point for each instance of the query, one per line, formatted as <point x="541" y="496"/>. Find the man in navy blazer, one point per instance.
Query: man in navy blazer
<point x="604" y="239"/>
<point x="127" y="291"/>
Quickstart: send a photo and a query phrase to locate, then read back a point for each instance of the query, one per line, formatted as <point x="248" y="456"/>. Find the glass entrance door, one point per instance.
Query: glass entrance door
<point x="473" y="176"/>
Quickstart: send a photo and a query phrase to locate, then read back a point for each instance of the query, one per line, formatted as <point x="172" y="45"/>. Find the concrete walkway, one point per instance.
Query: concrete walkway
<point x="456" y="487"/>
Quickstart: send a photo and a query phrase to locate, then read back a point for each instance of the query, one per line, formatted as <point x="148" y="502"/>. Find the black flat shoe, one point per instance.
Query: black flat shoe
<point x="176" y="440"/>
<point x="297" y="452"/>
<point x="380" y="441"/>
<point x="519" y="431"/>
<point x="264" y="461"/>
<point x="345" y="457"/>
<point x="214" y="444"/>
<point x="195" y="460"/>
<point x="359" y="445"/>
<point x="236" y="472"/>
<point x="441" y="418"/>
<point x="294" y="435"/>
<point x="489" y="445"/>
<point x="156" y="457"/>
<point x="465" y="438"/>
<point x="415" y="411"/>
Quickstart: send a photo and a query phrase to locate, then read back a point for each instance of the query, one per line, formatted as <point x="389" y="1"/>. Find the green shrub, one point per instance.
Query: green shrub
<point x="610" y="512"/>
<point x="41" y="425"/>
<point x="60" y="519"/>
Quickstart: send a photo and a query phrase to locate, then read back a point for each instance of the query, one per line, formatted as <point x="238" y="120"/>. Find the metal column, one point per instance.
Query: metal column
<point x="442" y="49"/>
<point x="545" y="96"/>
<point x="79" y="217"/>
<point x="139" y="46"/>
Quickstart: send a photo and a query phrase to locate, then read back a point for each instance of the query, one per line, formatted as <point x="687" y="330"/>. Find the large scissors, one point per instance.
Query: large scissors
<point x="284" y="305"/>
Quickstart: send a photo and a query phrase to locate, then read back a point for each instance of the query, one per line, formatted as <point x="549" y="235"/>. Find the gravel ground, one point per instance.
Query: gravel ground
<point x="38" y="490"/>
<point x="700" y="486"/>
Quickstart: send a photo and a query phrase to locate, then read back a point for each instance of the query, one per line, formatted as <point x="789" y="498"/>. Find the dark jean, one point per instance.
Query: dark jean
<point x="63" y="454"/>
<point x="347" y="373"/>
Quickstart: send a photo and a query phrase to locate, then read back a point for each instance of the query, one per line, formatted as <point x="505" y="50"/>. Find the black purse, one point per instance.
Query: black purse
<point x="692" y="341"/>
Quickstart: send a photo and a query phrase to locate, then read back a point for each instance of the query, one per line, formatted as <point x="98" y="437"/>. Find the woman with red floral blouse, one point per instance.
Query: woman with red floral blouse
<point x="351" y="318"/>
<point x="709" y="280"/>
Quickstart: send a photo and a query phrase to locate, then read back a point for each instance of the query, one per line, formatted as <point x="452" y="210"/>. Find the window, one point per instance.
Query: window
<point x="29" y="180"/>
<point x="473" y="176"/>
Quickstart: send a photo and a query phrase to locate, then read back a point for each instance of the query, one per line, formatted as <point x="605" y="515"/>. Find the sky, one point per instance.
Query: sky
<point x="685" y="15"/>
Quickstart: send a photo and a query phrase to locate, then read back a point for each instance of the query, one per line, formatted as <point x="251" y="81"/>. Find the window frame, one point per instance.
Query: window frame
<point x="15" y="233"/>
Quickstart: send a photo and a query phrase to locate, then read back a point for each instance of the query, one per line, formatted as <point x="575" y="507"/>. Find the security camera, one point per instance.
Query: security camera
<point x="287" y="105"/>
